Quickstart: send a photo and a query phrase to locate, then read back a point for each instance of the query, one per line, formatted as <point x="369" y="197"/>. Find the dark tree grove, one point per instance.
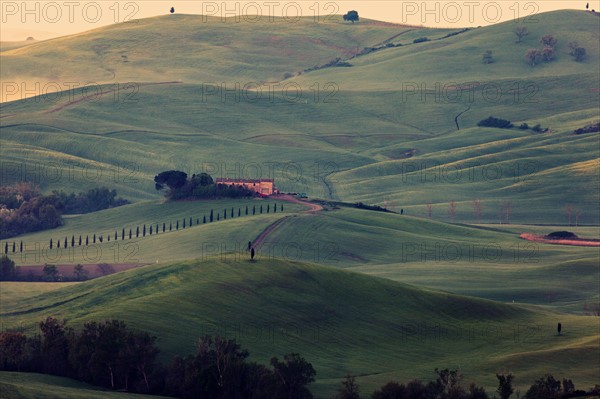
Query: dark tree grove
<point x="114" y="356"/>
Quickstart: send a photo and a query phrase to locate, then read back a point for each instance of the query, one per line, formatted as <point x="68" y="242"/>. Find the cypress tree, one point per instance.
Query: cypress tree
<point x="197" y="221"/>
<point x="72" y="240"/>
<point x="123" y="234"/>
<point x="80" y="240"/>
<point x="268" y="206"/>
<point x="204" y="219"/>
<point x="116" y="235"/>
<point x="6" y="249"/>
<point x="164" y="227"/>
<point x="101" y="238"/>
<point x="21" y="247"/>
<point x="211" y="216"/>
<point x="191" y="222"/>
<point x="239" y="212"/>
<point x="231" y="211"/>
<point x="261" y="209"/>
<point x="57" y="244"/>
<point x="254" y="209"/>
<point x="281" y="208"/>
<point x="14" y="247"/>
<point x="184" y="223"/>
<point x="87" y="240"/>
<point x="217" y="217"/>
<point x="66" y="242"/>
<point x="224" y="213"/>
<point x="274" y="208"/>
<point x="156" y="230"/>
<point x="150" y="229"/>
<point x="108" y="237"/>
<point x="177" y="225"/>
<point x="137" y="231"/>
<point x="130" y="233"/>
<point x="170" y="226"/>
<point x="144" y="231"/>
<point x="94" y="239"/>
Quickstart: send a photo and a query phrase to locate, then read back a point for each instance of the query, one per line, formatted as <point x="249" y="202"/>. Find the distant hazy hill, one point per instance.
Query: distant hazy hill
<point x="382" y="131"/>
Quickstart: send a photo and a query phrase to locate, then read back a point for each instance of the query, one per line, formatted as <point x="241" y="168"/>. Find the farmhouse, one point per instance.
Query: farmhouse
<point x="261" y="186"/>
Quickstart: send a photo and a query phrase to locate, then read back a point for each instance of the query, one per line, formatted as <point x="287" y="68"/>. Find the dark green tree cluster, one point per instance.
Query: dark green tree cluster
<point x="177" y="186"/>
<point x="351" y="16"/>
<point x="30" y="211"/>
<point x="448" y="385"/>
<point x="495" y="122"/>
<point x="92" y="200"/>
<point x="111" y="355"/>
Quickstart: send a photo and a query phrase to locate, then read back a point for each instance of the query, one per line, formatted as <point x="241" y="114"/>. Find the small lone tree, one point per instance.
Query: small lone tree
<point x="548" y="54"/>
<point x="548" y="41"/>
<point x="579" y="54"/>
<point x="521" y="32"/>
<point x="559" y="328"/>
<point x="478" y="207"/>
<point x="533" y="56"/>
<point x="351" y="16"/>
<point x="487" y="57"/>
<point x="349" y="389"/>
<point x="172" y="10"/>
<point x="452" y="210"/>
<point x="505" y="387"/>
<point x="252" y="253"/>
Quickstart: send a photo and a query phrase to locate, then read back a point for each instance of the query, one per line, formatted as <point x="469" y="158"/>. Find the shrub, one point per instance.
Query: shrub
<point x="487" y="57"/>
<point x="524" y="126"/>
<point x="495" y="122"/>
<point x="421" y="40"/>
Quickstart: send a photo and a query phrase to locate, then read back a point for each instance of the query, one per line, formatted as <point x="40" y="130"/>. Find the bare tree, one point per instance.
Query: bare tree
<point x="521" y="32"/>
<point x="507" y="210"/>
<point x="478" y="207"/>
<point x="429" y="207"/>
<point x="452" y="209"/>
<point x="569" y="212"/>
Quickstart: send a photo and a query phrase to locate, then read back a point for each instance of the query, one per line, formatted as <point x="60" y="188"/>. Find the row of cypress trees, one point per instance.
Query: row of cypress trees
<point x="151" y="229"/>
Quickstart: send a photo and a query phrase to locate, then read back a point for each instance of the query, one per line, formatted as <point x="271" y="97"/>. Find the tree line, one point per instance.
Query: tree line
<point x="23" y="209"/>
<point x="112" y="355"/>
<point x="150" y="229"/>
<point x="448" y="384"/>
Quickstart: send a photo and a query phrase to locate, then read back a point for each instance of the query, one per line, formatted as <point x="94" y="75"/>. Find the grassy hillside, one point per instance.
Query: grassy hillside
<point x="341" y="321"/>
<point x="192" y="48"/>
<point x="224" y="235"/>
<point x="351" y="133"/>
<point x="489" y="261"/>
<point x="40" y="386"/>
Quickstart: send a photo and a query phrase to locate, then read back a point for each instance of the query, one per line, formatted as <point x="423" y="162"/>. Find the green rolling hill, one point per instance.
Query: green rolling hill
<point x="380" y="295"/>
<point x="341" y="321"/>
<point x="352" y="133"/>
